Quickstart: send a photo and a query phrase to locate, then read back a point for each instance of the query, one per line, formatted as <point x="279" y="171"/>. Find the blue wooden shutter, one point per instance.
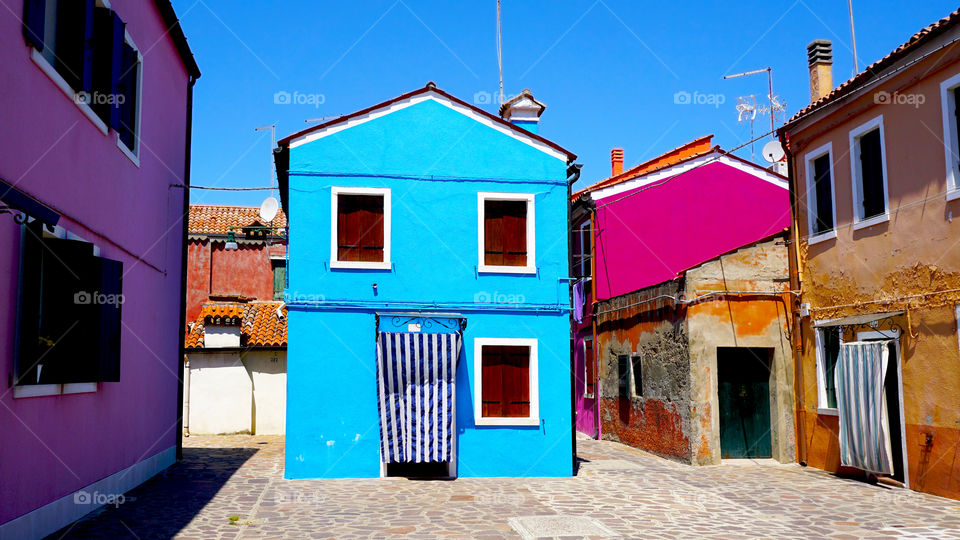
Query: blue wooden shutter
<point x="29" y="313"/>
<point x="116" y="70"/>
<point x="111" y="286"/>
<point x="128" y="109"/>
<point x="34" y="13"/>
<point x="74" y="45"/>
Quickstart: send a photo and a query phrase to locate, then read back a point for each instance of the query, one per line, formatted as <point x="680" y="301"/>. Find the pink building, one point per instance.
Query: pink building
<point x="97" y="113"/>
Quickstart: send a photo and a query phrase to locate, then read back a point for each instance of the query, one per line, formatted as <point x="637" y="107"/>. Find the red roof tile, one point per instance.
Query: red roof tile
<point x="260" y="324"/>
<point x="874" y="69"/>
<point x="217" y="219"/>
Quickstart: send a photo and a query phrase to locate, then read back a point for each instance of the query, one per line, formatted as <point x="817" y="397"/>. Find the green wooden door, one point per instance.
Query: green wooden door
<point x="743" y="390"/>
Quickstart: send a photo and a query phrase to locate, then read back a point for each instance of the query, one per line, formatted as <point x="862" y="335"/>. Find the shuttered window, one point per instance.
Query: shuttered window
<point x="873" y="200"/>
<point x="360" y="227"/>
<point x="70" y="309"/>
<point x="505" y="233"/>
<point x="823" y="191"/>
<point x="589" y="369"/>
<point x="127" y="87"/>
<point x="505" y="381"/>
<point x="279" y="279"/>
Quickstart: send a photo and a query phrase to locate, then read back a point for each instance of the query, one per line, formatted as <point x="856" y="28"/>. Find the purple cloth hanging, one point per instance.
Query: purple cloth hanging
<point x="578" y="301"/>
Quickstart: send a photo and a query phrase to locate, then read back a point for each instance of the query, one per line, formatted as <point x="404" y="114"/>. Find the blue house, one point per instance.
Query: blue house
<point x="427" y="292"/>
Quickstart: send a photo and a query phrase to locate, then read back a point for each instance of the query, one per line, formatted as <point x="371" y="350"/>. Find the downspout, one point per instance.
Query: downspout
<point x="573" y="174"/>
<point x="800" y="422"/>
<point x="183" y="264"/>
<point x="594" y="344"/>
<point x="186" y="396"/>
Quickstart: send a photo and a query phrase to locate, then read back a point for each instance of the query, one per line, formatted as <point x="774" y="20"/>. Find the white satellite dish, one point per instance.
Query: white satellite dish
<point x="268" y="209"/>
<point x="773" y="152"/>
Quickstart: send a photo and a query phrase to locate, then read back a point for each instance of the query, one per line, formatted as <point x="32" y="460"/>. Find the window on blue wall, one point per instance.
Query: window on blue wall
<point x="360" y="235"/>
<point x="506" y="233"/>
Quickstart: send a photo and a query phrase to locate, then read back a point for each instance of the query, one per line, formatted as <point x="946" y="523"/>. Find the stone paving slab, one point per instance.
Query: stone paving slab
<point x="232" y="487"/>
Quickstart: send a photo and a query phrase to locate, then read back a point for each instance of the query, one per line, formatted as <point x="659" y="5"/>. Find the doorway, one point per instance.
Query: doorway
<point x="743" y="392"/>
<point x="892" y="393"/>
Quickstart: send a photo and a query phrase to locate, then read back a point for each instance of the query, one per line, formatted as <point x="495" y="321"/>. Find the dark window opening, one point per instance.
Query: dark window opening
<point x="623" y="375"/>
<point x="871" y="174"/>
<point x="360" y="228"/>
<point x="830" y="343"/>
<point x="823" y="191"/>
<point x="505" y="233"/>
<point x="70" y="309"/>
<point x="590" y="368"/>
<point x="505" y="381"/>
<point x="636" y="367"/>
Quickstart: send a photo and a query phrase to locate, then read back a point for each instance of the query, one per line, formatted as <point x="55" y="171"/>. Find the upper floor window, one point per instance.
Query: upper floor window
<point x="506" y="375"/>
<point x="279" y="277"/>
<point x="506" y="233"/>
<point x="868" y="171"/>
<point x="949" y="99"/>
<point x="360" y="228"/>
<point x="821" y="208"/>
<point x="582" y="251"/>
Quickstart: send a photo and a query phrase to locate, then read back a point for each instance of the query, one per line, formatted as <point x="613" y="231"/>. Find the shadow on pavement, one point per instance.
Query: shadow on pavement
<point x="165" y="504"/>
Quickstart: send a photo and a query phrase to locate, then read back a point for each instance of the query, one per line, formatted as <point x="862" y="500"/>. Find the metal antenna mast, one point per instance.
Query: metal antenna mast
<point x="775" y="104"/>
<point x="853" y="36"/>
<point x="499" y="52"/>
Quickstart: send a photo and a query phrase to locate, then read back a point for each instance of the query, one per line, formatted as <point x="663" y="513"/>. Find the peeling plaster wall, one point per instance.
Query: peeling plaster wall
<point x="891" y="266"/>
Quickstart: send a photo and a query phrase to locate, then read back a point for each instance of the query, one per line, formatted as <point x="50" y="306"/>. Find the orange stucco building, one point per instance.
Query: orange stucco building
<point x="875" y="251"/>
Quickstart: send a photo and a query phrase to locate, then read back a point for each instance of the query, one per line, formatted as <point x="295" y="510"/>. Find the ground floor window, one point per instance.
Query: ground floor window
<point x="589" y="370"/>
<point x="506" y="381"/>
<point x="828" y="352"/>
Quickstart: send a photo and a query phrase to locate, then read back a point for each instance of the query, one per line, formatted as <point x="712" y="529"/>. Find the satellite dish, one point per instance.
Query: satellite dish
<point x="773" y="152"/>
<point x="268" y="209"/>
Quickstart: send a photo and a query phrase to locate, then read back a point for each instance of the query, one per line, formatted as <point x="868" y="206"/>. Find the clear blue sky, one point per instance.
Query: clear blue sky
<point x="608" y="70"/>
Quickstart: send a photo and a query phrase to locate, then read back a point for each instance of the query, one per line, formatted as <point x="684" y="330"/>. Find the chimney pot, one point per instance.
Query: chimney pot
<point x="616" y="161"/>
<point x="820" y="62"/>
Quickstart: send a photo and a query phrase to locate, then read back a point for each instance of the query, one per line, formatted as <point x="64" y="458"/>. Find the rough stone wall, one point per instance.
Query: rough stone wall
<point x="658" y="420"/>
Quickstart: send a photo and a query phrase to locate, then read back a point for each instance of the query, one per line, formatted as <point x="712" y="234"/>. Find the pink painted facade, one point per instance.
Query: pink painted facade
<point x="55" y="445"/>
<point x="584" y="401"/>
<point x="652" y="228"/>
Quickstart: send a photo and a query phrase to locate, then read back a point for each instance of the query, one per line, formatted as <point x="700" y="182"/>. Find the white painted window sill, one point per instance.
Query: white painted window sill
<point x="506" y="421"/>
<point x="953" y="194"/>
<point x="40" y="390"/>
<point x="386" y="265"/>
<point x="870" y="222"/>
<point x="588" y="396"/>
<point x="485" y="269"/>
<point x="827" y="412"/>
<point x="51" y="72"/>
<point x="822" y="237"/>
<point x="133" y="156"/>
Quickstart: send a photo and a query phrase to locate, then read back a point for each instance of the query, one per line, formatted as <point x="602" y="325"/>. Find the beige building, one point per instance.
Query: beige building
<point x="875" y="252"/>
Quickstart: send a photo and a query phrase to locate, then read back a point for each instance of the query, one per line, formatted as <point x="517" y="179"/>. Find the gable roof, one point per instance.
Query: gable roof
<point x="217" y="219"/>
<point x="430" y="91"/>
<point x="260" y="325"/>
<point x="874" y="70"/>
<point x="172" y="24"/>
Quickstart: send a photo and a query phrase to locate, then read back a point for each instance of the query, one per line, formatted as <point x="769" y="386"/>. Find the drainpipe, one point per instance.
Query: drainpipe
<point x="186" y="396"/>
<point x="183" y="264"/>
<point x="594" y="344"/>
<point x="800" y="422"/>
<point x="573" y="174"/>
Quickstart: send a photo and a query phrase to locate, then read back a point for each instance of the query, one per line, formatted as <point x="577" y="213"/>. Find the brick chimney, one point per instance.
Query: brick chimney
<point x="616" y="161"/>
<point x="820" y="61"/>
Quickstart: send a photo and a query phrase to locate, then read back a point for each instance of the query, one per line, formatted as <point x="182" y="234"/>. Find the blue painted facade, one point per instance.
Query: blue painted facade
<point x="434" y="156"/>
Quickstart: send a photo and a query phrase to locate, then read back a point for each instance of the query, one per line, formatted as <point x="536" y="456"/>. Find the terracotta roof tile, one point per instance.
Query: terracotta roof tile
<point x="877" y="67"/>
<point x="260" y="325"/>
<point x="217" y="219"/>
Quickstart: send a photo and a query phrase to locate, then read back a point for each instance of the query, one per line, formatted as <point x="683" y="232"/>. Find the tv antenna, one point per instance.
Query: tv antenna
<point x="773" y="106"/>
<point x="747" y="110"/>
<point x="269" y="206"/>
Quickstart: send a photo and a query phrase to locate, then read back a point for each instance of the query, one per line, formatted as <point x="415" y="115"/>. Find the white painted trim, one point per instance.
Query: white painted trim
<point x="822" y="403"/>
<point x="52" y="517"/>
<point x="529" y="198"/>
<point x="134" y="153"/>
<point x="875" y="220"/>
<point x="856" y="175"/>
<point x="79" y="388"/>
<point x="420" y="98"/>
<point x="335" y="192"/>
<point x="51" y="72"/>
<point x="585" y="347"/>
<point x="951" y="148"/>
<point x="36" y="390"/>
<point x="680" y="168"/>
<point x="886" y="335"/>
<point x="825" y="411"/>
<point x="631" y="384"/>
<point x="808" y="170"/>
<point x="534" y="418"/>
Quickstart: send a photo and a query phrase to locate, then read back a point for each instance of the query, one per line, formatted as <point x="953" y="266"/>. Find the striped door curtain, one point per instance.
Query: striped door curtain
<point x="415" y="389"/>
<point x="864" y="425"/>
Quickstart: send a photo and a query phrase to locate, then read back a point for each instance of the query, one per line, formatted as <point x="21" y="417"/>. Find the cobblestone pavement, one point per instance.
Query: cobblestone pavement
<point x="233" y="487"/>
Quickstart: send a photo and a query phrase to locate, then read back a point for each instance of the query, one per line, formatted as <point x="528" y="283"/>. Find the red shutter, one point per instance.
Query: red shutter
<point x="505" y="233"/>
<point x="360" y="228"/>
<point x="516" y="381"/>
<point x="371" y="228"/>
<point x="591" y="367"/>
<point x="492" y="233"/>
<point x="492" y="391"/>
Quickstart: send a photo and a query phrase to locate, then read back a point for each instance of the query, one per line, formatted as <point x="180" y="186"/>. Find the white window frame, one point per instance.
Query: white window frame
<point x="478" y="418"/>
<point x="531" y="267"/>
<point x="808" y="160"/>
<point x="56" y="389"/>
<point x="951" y="139"/>
<point x="134" y="153"/>
<point x="335" y="193"/>
<point x="588" y="344"/>
<point x="631" y="384"/>
<point x="822" y="403"/>
<point x="586" y="239"/>
<point x="856" y="175"/>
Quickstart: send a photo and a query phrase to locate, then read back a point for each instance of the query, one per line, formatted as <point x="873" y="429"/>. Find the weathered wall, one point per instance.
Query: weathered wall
<point x="659" y="421"/>
<point x="740" y="320"/>
<point x="891" y="266"/>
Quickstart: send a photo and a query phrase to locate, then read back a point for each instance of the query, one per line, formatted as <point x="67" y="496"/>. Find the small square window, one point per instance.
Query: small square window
<point x="506" y="233"/>
<point x="360" y="226"/>
<point x="506" y="381"/>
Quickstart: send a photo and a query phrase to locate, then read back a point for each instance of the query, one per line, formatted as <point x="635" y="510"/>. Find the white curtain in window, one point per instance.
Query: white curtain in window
<point x="864" y="425"/>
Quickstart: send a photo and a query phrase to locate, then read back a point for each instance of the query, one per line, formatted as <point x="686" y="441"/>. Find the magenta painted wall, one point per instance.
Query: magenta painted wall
<point x="585" y="407"/>
<point x="55" y="445"/>
<point x="651" y="237"/>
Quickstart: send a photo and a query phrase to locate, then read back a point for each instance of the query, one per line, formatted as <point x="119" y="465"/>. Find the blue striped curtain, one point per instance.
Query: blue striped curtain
<point x="415" y="389"/>
<point x="864" y="426"/>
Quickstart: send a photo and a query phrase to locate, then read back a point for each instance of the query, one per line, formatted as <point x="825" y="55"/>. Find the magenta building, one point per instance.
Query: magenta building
<point x="97" y="113"/>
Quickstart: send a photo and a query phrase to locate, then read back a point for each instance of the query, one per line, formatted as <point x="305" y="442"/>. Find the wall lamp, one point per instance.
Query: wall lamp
<point x="255" y="231"/>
